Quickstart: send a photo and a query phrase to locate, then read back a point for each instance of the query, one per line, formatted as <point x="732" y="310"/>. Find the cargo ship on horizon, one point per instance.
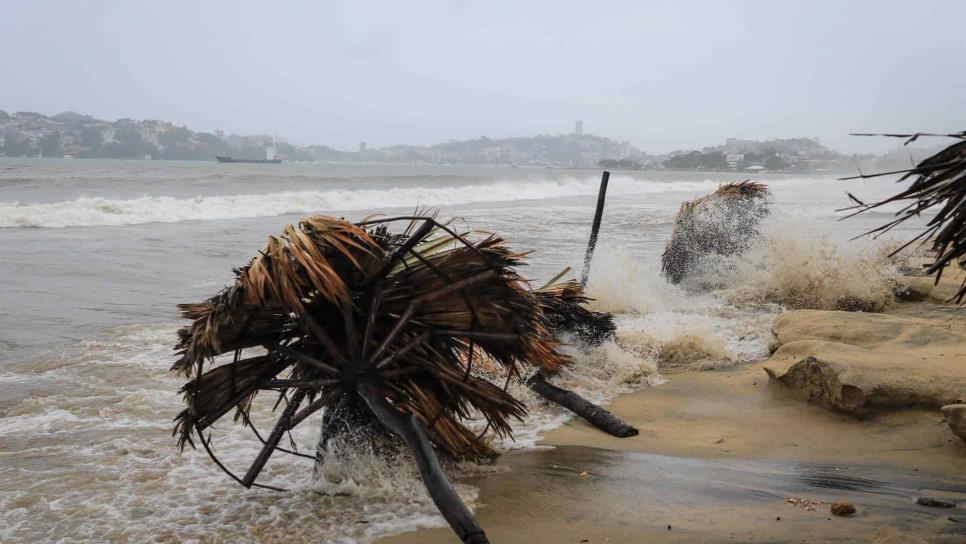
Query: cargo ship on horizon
<point x="270" y="158"/>
<point x="222" y="158"/>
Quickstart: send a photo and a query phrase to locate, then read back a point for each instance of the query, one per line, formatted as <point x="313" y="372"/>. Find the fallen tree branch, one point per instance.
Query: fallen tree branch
<point x="595" y="415"/>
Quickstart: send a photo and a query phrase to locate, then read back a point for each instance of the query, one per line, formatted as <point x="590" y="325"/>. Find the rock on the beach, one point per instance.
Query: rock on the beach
<point x="889" y="535"/>
<point x="860" y="362"/>
<point x="843" y="508"/>
<point x="956" y="417"/>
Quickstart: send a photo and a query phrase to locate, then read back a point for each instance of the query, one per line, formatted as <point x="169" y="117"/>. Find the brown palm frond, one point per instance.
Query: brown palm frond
<point x="721" y="223"/>
<point x="220" y="390"/>
<point x="742" y="189"/>
<point x="938" y="181"/>
<point x="336" y="304"/>
<point x="565" y="312"/>
<point x="312" y="262"/>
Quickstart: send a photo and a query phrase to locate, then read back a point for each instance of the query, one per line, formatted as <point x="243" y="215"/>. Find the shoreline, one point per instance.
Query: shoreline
<point x="718" y="453"/>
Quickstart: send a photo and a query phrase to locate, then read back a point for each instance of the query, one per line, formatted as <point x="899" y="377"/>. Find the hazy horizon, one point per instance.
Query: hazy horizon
<point x="663" y="76"/>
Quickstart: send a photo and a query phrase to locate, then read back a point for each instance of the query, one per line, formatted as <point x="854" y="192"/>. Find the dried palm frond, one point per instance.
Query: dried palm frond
<point x="721" y="223"/>
<point x="565" y="312"/>
<point x="337" y="304"/>
<point x="938" y="180"/>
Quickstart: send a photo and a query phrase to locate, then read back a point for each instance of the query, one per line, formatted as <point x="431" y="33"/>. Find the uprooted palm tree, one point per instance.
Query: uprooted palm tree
<point x="938" y="180"/>
<point x="722" y="223"/>
<point x="357" y="319"/>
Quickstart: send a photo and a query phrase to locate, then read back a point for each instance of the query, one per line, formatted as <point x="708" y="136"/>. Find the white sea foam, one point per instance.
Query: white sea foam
<point x="101" y="211"/>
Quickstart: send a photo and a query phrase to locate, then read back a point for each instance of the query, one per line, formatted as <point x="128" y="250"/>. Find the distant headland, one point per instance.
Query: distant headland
<point x="73" y="135"/>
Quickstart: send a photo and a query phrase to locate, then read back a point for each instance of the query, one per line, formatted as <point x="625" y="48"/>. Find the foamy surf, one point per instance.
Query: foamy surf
<point x="101" y="211"/>
<point x="94" y="459"/>
<point x="87" y="453"/>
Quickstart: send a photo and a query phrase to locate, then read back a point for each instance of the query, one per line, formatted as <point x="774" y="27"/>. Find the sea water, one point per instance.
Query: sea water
<point x="94" y="256"/>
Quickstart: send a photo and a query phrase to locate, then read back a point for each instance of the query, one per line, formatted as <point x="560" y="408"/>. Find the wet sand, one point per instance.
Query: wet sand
<point x="739" y="413"/>
<point x="724" y="450"/>
<point x="630" y="497"/>
<point x="718" y="454"/>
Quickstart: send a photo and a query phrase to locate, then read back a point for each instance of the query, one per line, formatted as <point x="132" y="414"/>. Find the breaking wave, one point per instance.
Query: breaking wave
<point x="813" y="271"/>
<point x="100" y="211"/>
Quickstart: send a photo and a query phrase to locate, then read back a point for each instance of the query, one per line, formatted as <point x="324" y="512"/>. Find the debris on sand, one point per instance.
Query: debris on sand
<point x="843" y="509"/>
<point x="804" y="504"/>
<point x="933" y="502"/>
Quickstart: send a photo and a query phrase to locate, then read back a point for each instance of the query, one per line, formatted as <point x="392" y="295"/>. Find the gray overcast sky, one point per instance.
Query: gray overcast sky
<point x="664" y="75"/>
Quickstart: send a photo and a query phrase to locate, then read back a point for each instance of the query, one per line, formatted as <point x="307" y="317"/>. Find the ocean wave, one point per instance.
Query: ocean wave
<point x="100" y="211"/>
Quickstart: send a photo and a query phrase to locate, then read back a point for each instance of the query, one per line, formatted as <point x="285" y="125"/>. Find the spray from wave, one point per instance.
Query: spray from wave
<point x="813" y="271"/>
<point x="101" y="211"/>
<point x="669" y="327"/>
<point x="722" y="314"/>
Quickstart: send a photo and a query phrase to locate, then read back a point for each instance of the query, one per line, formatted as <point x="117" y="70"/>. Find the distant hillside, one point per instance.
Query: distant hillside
<point x="32" y="134"/>
<point x="28" y="134"/>
<point x="791" y="155"/>
<point x="71" y="134"/>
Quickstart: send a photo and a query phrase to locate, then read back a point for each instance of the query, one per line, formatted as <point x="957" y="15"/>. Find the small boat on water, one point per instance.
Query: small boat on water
<point x="221" y="158"/>
<point x="270" y="158"/>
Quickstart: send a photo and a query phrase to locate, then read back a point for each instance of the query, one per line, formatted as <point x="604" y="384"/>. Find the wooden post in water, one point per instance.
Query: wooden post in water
<point x="598" y="215"/>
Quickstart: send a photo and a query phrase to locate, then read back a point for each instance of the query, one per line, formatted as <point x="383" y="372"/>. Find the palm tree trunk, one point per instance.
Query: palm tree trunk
<point x="440" y="489"/>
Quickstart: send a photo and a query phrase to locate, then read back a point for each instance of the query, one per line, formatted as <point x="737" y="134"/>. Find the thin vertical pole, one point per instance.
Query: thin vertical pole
<point x="601" y="196"/>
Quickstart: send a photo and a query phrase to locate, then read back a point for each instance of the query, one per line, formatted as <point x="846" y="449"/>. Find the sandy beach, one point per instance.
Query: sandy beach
<point x="734" y="455"/>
